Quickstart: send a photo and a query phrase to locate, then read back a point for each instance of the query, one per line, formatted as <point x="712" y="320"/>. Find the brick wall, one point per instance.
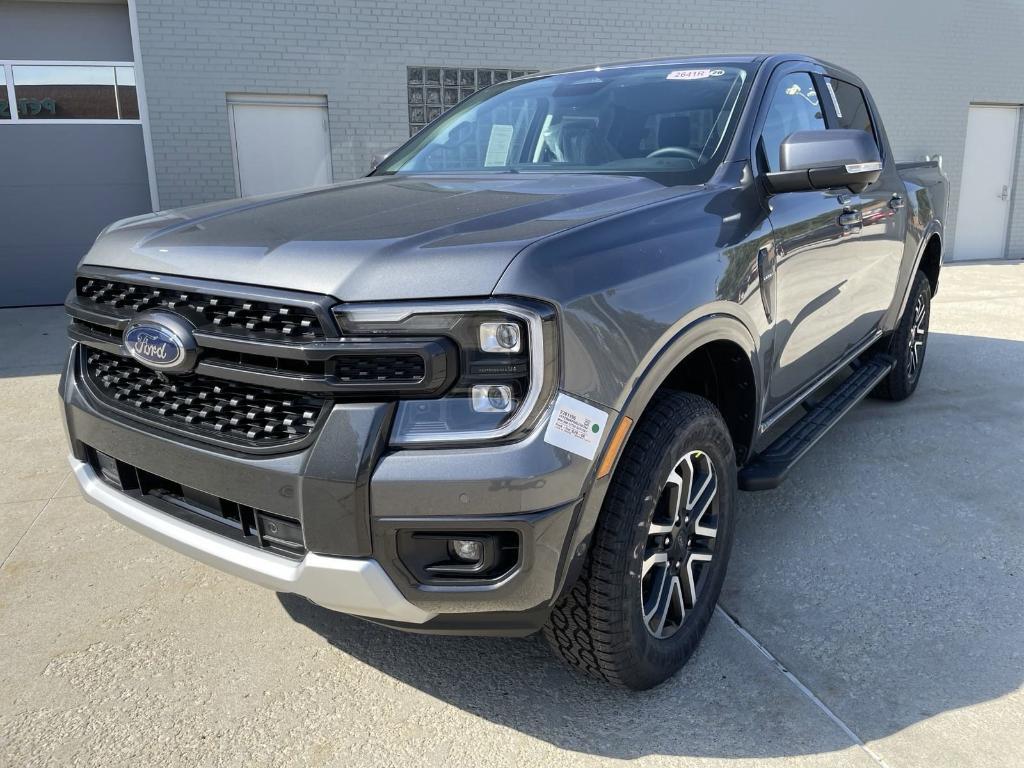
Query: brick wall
<point x="924" y="62"/>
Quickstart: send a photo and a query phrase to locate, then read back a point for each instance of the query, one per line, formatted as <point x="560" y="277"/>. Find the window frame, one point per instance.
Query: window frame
<point x="8" y="66"/>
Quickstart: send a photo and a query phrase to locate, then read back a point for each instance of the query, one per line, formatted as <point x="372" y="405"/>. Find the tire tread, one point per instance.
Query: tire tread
<point x="895" y="386"/>
<point x="588" y="626"/>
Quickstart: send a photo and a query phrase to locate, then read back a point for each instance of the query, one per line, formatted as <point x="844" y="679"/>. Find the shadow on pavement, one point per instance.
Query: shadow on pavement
<point x="717" y="706"/>
<point x="886" y="574"/>
<point x="888" y="571"/>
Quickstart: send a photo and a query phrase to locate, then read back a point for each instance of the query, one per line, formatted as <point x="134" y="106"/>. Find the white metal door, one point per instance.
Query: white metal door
<point x="280" y="142"/>
<point x="987" y="182"/>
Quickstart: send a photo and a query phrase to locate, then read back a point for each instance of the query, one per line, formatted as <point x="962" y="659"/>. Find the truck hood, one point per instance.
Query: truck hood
<point x="379" y="238"/>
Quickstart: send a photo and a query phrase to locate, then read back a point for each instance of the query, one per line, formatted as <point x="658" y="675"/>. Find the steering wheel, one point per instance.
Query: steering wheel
<point x="689" y="154"/>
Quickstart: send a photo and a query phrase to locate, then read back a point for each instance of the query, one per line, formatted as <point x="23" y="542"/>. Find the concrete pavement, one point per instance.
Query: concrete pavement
<point x="885" y="576"/>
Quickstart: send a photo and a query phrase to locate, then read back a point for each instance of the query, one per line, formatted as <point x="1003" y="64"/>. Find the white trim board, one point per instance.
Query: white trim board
<point x="140" y="96"/>
<point x="278" y="99"/>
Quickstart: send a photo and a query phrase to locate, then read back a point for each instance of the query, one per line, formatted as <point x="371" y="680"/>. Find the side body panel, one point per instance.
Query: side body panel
<point x="835" y="281"/>
<point x="927" y="195"/>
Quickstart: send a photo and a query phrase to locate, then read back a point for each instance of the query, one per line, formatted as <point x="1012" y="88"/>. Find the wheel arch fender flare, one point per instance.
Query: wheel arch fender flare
<point x="716" y="326"/>
<point x="933" y="229"/>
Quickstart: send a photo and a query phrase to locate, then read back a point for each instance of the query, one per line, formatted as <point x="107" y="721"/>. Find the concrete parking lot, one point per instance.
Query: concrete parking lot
<point x="884" y="582"/>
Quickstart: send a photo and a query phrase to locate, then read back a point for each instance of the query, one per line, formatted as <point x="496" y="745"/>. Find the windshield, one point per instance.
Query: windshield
<point x="637" y="119"/>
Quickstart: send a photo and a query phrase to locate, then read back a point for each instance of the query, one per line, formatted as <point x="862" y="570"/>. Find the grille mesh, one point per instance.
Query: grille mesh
<point x="382" y="368"/>
<point x="203" y="404"/>
<point x="209" y="312"/>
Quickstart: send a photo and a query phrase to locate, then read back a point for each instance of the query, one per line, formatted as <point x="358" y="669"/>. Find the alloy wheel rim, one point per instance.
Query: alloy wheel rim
<point x="680" y="544"/>
<point x="918" y="338"/>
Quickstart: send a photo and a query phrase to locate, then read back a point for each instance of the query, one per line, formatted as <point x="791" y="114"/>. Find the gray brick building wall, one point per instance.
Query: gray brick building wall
<point x="925" y="62"/>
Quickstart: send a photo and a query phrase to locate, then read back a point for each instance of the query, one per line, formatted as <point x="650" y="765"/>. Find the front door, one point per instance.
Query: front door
<point x="281" y="143"/>
<point x="815" y="250"/>
<point x="989" y="155"/>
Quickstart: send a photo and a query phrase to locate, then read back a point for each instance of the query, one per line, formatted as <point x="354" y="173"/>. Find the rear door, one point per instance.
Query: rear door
<point x="873" y="273"/>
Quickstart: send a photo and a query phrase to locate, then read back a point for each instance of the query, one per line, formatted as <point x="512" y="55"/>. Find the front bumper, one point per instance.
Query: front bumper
<point x="354" y="504"/>
<point x="350" y="585"/>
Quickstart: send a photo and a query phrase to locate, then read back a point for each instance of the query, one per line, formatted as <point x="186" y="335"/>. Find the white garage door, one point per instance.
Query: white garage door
<point x="986" y="185"/>
<point x="281" y="142"/>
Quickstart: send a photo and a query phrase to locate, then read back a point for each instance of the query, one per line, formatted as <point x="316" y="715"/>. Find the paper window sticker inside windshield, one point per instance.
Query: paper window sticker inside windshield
<point x="498" y="145"/>
<point x="694" y="74"/>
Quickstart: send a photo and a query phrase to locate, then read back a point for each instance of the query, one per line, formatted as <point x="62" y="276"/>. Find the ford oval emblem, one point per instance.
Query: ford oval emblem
<point x="161" y="341"/>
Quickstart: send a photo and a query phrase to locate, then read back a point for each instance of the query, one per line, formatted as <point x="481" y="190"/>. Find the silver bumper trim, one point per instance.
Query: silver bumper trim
<point x="349" y="585"/>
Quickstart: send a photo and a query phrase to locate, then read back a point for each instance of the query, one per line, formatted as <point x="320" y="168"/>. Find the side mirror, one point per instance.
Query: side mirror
<point x="379" y="157"/>
<point x="826" y="159"/>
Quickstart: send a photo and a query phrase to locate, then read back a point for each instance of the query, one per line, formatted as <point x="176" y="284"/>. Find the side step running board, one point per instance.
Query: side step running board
<point x="770" y="467"/>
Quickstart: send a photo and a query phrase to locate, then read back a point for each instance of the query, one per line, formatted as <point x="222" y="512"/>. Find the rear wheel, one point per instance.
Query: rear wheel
<point x="659" y="551"/>
<point x="909" y="343"/>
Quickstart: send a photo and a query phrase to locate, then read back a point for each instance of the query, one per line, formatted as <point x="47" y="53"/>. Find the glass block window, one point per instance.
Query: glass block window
<point x="435" y="90"/>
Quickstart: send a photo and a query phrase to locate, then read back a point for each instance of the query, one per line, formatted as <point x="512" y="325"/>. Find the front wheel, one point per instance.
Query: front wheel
<point x="909" y="343"/>
<point x="659" y="551"/>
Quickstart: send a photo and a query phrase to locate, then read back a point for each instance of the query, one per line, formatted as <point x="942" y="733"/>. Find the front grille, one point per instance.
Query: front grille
<point x="267" y="369"/>
<point x="228" y="410"/>
<point x="379" y="368"/>
<point x="212" y="313"/>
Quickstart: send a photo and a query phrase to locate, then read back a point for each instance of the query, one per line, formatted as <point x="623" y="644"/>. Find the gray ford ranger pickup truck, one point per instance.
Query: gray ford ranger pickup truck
<point x="514" y="379"/>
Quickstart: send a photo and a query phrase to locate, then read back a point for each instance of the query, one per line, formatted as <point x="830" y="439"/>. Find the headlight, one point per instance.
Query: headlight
<point x="505" y="357"/>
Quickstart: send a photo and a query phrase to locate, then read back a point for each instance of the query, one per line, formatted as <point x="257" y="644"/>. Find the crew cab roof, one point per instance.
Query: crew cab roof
<point x="755" y="58"/>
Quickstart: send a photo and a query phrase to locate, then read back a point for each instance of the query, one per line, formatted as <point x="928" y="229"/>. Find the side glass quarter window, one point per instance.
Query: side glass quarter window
<point x="794" y="107"/>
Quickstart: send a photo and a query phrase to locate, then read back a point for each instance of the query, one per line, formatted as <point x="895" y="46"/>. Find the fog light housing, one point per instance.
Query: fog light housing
<point x="467" y="550"/>
<point x="458" y="556"/>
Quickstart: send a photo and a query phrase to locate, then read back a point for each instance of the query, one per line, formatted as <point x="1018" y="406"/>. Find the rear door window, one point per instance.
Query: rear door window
<point x="850" y="106"/>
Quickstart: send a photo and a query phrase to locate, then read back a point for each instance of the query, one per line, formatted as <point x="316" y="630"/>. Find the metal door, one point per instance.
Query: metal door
<point x="987" y="183"/>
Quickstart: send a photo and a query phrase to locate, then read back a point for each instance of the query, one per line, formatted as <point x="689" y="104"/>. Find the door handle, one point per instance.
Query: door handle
<point x="896" y="202"/>
<point x="1005" y="193"/>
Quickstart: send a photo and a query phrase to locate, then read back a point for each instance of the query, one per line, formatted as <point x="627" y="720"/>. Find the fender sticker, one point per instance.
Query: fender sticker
<point x="576" y="426"/>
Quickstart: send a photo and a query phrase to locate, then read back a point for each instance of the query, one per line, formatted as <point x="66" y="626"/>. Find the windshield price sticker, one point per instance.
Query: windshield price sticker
<point x="694" y="74"/>
<point x="497" y="145"/>
<point x="576" y="426"/>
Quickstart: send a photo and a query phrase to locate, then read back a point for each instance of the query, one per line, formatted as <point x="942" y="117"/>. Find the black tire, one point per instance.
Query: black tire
<point x="908" y="344"/>
<point x="599" y="627"/>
